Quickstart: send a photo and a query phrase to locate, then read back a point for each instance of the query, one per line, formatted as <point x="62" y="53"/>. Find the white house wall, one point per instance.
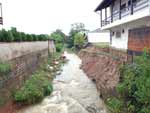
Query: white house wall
<point x="122" y="43"/>
<point x="98" y="37"/>
<point x="145" y="12"/>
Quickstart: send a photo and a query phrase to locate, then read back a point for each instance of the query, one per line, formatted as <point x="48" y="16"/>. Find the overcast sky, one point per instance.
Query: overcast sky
<point x="44" y="16"/>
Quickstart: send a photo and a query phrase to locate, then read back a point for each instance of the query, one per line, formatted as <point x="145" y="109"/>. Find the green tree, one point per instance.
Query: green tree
<point x="79" y="40"/>
<point x="59" y="38"/>
<point x="16" y="34"/>
<point x="75" y="29"/>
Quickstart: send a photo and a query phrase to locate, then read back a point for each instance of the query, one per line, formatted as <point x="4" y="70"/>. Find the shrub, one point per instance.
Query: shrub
<point x="114" y="105"/>
<point x="134" y="87"/>
<point x="79" y="40"/>
<point x="2" y="101"/>
<point x="5" y="68"/>
<point x="34" y="89"/>
<point x="59" y="47"/>
<point x="23" y="36"/>
<point x="14" y="35"/>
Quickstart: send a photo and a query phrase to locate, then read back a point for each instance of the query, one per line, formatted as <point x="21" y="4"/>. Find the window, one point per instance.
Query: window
<point x="134" y="2"/>
<point x="118" y="34"/>
<point x="123" y="7"/>
<point x="123" y="31"/>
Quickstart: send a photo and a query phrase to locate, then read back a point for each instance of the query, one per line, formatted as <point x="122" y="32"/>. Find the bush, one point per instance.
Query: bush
<point x="59" y="47"/>
<point x="34" y="89"/>
<point x="13" y="35"/>
<point x="134" y="87"/>
<point x="5" y="68"/>
<point x="114" y="105"/>
<point x="79" y="40"/>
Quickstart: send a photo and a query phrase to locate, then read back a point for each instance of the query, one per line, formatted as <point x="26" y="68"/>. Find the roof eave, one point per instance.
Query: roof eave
<point x="97" y="9"/>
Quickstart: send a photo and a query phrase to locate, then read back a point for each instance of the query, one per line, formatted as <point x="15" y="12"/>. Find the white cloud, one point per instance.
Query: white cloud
<point x="44" y="16"/>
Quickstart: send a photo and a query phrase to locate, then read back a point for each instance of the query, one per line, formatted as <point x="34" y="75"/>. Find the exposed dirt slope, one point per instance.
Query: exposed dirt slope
<point x="102" y="69"/>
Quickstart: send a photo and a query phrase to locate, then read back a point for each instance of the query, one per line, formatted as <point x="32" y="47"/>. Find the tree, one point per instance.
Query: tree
<point x="75" y="29"/>
<point x="78" y="27"/>
<point x="79" y="40"/>
<point x="59" y="38"/>
<point x="16" y="34"/>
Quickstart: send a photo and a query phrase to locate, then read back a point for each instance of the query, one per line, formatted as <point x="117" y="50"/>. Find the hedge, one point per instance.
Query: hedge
<point x="13" y="35"/>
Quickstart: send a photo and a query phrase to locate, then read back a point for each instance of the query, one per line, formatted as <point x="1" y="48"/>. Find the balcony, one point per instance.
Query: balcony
<point x="117" y="15"/>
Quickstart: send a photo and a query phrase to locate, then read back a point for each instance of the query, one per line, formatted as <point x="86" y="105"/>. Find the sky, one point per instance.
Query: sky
<point x="45" y="16"/>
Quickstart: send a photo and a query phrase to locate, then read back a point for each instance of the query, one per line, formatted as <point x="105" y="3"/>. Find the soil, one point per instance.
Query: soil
<point x="101" y="69"/>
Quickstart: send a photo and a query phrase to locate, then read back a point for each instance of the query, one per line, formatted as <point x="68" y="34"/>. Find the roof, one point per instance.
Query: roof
<point x="104" y="4"/>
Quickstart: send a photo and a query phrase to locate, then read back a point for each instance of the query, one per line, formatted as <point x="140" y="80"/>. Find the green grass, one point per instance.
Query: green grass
<point x="102" y="45"/>
<point x="5" y="68"/>
<point x="34" y="89"/>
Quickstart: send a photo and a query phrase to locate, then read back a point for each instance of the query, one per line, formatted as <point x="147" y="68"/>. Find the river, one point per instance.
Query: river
<point x="73" y="92"/>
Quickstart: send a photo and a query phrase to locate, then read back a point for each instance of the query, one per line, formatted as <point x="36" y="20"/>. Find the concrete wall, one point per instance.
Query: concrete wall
<point x="10" y="51"/>
<point x="99" y="37"/>
<point x="24" y="58"/>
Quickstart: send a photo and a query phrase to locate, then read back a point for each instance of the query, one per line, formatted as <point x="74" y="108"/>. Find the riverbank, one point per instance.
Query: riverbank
<point x="73" y="92"/>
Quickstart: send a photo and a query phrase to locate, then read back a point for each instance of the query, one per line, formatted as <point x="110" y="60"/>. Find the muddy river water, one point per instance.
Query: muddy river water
<point x="73" y="92"/>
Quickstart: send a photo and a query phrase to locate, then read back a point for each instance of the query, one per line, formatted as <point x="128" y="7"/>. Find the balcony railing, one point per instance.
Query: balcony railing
<point x="137" y="6"/>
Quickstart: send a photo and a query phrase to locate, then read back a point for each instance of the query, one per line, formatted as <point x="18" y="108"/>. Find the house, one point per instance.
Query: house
<point x="128" y="22"/>
<point x="99" y="36"/>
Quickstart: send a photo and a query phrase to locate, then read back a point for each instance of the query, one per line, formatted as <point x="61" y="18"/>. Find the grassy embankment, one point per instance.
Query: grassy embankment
<point x="134" y="88"/>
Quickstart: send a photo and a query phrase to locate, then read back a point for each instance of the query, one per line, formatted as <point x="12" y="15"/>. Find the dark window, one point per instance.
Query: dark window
<point x="134" y="2"/>
<point x="123" y="31"/>
<point x="123" y="7"/>
<point x="118" y="34"/>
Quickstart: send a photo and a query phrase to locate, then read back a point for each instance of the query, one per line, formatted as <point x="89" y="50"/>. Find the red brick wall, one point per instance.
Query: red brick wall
<point x="139" y="39"/>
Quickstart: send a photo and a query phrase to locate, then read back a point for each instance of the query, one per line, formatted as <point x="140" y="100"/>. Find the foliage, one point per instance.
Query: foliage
<point x="75" y="29"/>
<point x="114" y="105"/>
<point x="79" y="40"/>
<point x="2" y="101"/>
<point x="134" y="87"/>
<point x="5" y="68"/>
<point x="13" y="35"/>
<point x="34" y="89"/>
<point x="59" y="38"/>
<point x="59" y="47"/>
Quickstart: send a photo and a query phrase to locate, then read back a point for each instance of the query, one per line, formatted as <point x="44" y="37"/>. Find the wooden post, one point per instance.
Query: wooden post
<point x="119" y="9"/>
<point x="131" y="7"/>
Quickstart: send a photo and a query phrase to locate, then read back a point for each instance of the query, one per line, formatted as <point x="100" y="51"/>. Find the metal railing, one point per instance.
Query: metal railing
<point x="137" y="6"/>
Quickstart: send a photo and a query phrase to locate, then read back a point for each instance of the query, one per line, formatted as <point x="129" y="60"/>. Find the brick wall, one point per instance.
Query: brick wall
<point x="139" y="39"/>
<point x="22" y="67"/>
<point x="23" y="64"/>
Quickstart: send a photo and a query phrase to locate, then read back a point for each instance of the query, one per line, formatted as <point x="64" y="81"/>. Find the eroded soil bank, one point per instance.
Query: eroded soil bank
<point x="73" y="92"/>
<point x="102" y="68"/>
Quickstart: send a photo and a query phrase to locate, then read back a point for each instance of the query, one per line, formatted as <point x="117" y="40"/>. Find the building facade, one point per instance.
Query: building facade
<point x="99" y="36"/>
<point x="128" y="22"/>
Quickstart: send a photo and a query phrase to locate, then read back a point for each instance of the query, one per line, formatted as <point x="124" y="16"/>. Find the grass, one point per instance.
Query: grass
<point x="34" y="89"/>
<point x="5" y="68"/>
<point x="102" y="45"/>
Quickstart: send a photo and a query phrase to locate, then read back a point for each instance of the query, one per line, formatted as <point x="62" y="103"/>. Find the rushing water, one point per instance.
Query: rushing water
<point x="73" y="92"/>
